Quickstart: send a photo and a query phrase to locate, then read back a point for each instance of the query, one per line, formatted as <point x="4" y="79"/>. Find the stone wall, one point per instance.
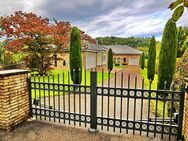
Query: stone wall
<point x="185" y="123"/>
<point x="14" y="99"/>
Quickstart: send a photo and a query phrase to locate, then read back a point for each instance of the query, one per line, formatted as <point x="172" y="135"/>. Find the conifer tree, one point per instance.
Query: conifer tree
<point x="75" y="56"/>
<point x="168" y="52"/>
<point x="110" y="60"/>
<point x="151" y="59"/>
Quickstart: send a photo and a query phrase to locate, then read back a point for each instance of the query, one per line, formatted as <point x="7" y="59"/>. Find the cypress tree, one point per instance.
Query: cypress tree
<point x="75" y="57"/>
<point x="110" y="60"/>
<point x="142" y="60"/>
<point x="151" y="59"/>
<point x="167" y="57"/>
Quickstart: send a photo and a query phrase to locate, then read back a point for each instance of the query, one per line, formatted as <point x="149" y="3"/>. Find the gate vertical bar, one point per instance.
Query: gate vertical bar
<point x="30" y="96"/>
<point x="93" y="103"/>
<point x="180" y="119"/>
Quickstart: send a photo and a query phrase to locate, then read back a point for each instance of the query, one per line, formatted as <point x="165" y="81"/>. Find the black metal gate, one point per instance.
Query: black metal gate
<point x="105" y="106"/>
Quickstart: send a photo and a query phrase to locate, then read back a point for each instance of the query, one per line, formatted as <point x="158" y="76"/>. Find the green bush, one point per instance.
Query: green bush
<point x="75" y="56"/>
<point x="117" y="64"/>
<point x="110" y="60"/>
<point x="142" y="60"/>
<point x="124" y="64"/>
<point x="151" y="59"/>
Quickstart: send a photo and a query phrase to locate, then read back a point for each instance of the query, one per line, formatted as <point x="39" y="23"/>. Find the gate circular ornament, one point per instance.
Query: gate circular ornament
<point x="138" y="93"/>
<point x="99" y="91"/>
<point x="47" y="113"/>
<point x="124" y="124"/>
<point x="118" y="92"/>
<point x="88" y="90"/>
<point x="88" y="119"/>
<point x="42" y="112"/>
<point x="112" y="92"/>
<point x="66" y="116"/>
<point x="61" y="115"/>
<point x="38" y="111"/>
<point x="82" y="118"/>
<point x="125" y="92"/>
<point x="137" y="125"/>
<point x="130" y="124"/>
<point x="117" y="123"/>
<point x="144" y="126"/>
<point x="57" y="114"/>
<point x="105" y="121"/>
<point x="71" y="116"/>
<point x="99" y="120"/>
<point x="111" y="122"/>
<point x="77" y="117"/>
<point x="105" y="91"/>
<point x="52" y="113"/>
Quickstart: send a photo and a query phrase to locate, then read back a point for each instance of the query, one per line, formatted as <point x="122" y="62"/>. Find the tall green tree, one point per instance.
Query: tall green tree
<point x="151" y="59"/>
<point x="142" y="60"/>
<point x="168" y="53"/>
<point x="75" y="56"/>
<point x="110" y="60"/>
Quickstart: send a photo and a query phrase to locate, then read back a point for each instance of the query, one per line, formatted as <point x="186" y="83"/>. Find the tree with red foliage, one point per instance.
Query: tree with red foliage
<point x="36" y="37"/>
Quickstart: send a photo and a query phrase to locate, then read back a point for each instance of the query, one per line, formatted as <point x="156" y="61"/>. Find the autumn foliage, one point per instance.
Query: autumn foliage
<point x="37" y="37"/>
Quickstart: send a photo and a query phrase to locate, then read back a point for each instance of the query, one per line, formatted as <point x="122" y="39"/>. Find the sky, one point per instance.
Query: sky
<point x="121" y="18"/>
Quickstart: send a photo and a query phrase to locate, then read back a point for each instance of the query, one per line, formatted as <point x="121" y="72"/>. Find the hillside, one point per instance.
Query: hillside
<point x="130" y="41"/>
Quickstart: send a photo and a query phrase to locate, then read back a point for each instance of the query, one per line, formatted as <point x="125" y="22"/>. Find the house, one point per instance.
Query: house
<point x="92" y="56"/>
<point x="123" y="54"/>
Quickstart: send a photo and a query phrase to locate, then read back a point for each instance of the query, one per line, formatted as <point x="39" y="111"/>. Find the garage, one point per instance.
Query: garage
<point x="90" y="60"/>
<point x="133" y="61"/>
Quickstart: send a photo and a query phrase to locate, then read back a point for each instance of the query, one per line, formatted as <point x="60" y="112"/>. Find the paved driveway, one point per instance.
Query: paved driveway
<point x="42" y="131"/>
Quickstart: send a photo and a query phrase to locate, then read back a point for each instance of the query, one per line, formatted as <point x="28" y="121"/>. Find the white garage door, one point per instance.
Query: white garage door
<point x="133" y="61"/>
<point x="90" y="61"/>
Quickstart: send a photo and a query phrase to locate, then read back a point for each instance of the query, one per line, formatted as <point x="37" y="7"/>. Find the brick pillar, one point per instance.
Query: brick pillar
<point x="14" y="101"/>
<point x="185" y="123"/>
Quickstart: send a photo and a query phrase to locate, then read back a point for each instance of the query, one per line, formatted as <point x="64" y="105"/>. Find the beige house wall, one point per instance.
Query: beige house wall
<point x="65" y="56"/>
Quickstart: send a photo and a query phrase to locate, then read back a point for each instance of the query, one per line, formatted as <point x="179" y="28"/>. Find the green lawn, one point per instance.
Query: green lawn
<point x="63" y="77"/>
<point x="160" y="106"/>
<point x="143" y="73"/>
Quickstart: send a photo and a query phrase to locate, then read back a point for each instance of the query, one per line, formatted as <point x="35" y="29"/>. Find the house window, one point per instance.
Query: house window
<point x="114" y="59"/>
<point x="118" y="60"/>
<point x="124" y="60"/>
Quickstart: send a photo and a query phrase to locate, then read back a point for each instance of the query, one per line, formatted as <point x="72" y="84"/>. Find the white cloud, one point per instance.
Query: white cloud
<point x="102" y="17"/>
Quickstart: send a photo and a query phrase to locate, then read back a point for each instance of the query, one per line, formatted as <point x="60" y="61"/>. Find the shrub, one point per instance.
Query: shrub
<point x="151" y="59"/>
<point x="142" y="60"/>
<point x="110" y="60"/>
<point x="117" y="64"/>
<point x="64" y="63"/>
<point x="124" y="64"/>
<point x="75" y="56"/>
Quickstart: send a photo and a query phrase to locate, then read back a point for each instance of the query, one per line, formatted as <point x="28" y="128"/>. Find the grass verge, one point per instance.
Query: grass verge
<point x="160" y="105"/>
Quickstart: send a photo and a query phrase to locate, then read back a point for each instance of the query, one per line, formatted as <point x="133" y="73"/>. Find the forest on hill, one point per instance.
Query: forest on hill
<point x="130" y="41"/>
